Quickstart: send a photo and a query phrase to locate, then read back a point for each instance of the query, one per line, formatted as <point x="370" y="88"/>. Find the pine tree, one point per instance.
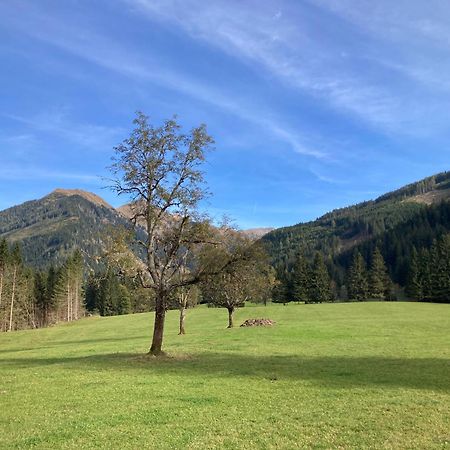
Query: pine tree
<point x="319" y="287"/>
<point x="378" y="277"/>
<point x="358" y="286"/>
<point x="124" y="300"/>
<point x="108" y="295"/>
<point x="414" y="286"/>
<point x="16" y="263"/>
<point x="281" y="291"/>
<point x="425" y="270"/>
<point x="51" y="282"/>
<point x="91" y="292"/>
<point x="440" y="274"/>
<point x="300" y="279"/>
<point x="40" y="297"/>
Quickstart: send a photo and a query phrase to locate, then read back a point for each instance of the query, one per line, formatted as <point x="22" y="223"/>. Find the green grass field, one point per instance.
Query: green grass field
<point x="367" y="375"/>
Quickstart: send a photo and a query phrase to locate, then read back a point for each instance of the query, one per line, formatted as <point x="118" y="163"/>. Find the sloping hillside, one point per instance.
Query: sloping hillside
<point x="340" y="231"/>
<point x="50" y="228"/>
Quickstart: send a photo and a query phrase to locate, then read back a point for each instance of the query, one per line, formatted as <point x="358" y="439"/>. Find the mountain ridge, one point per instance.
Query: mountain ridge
<point x="52" y="227"/>
<point x="94" y="198"/>
<point x="394" y="222"/>
<point x="66" y="218"/>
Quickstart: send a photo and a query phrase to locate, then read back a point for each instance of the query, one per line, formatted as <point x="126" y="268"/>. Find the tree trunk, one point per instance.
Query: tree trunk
<point x="230" y="317"/>
<point x="182" y="317"/>
<point x="12" y="299"/>
<point x="158" y="329"/>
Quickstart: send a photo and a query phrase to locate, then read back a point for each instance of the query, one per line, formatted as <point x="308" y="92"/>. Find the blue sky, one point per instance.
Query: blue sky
<point x="314" y="104"/>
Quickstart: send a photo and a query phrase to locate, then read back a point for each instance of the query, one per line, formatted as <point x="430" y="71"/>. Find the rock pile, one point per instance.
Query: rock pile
<point x="258" y="323"/>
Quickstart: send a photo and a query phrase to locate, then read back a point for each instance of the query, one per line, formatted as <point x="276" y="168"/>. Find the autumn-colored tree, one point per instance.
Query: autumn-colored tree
<point x="245" y="275"/>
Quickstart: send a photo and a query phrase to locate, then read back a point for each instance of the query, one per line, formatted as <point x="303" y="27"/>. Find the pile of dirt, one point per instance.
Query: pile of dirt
<point x="258" y="323"/>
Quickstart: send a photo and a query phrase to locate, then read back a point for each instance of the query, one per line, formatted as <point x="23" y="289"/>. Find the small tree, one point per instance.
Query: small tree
<point x="186" y="297"/>
<point x="358" y="286"/>
<point x="440" y="276"/>
<point x="425" y="271"/>
<point x="16" y="262"/>
<point x="41" y="298"/>
<point x="301" y="274"/>
<point x="414" y="288"/>
<point x="378" y="276"/>
<point x="268" y="283"/>
<point x="281" y="289"/>
<point x="319" y="282"/>
<point x="124" y="300"/>
<point x="245" y="278"/>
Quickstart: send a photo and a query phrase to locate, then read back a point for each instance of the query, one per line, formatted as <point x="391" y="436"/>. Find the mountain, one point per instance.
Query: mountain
<point x="256" y="233"/>
<point x="49" y="229"/>
<point x="91" y="197"/>
<point x="252" y="233"/>
<point x="413" y="215"/>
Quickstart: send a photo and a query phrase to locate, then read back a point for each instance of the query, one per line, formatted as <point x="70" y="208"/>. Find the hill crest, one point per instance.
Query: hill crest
<point x="90" y="196"/>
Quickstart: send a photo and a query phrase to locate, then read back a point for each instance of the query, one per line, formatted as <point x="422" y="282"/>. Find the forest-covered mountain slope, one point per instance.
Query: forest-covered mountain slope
<point x="413" y="215"/>
<point x="51" y="228"/>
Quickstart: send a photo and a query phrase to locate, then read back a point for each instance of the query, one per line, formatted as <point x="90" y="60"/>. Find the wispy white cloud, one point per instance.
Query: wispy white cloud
<point x="414" y="35"/>
<point x="306" y="58"/>
<point x="16" y="145"/>
<point x="409" y="21"/>
<point x="15" y="173"/>
<point x="326" y="178"/>
<point x="58" y="122"/>
<point x="109" y="53"/>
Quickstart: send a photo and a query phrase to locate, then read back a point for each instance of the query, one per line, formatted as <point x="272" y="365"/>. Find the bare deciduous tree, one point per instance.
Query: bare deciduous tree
<point x="160" y="169"/>
<point x="187" y="297"/>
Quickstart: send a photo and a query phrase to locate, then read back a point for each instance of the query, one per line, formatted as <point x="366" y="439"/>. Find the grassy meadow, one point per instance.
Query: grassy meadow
<point x="366" y="375"/>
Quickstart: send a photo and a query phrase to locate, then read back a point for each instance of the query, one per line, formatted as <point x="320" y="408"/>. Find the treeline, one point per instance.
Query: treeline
<point x="364" y="282"/>
<point x="364" y="227"/>
<point x="439" y="181"/>
<point x="33" y="299"/>
<point x="311" y="283"/>
<point x="414" y="243"/>
<point x="394" y="223"/>
<point x="429" y="275"/>
<point x="396" y="245"/>
<point x="110" y="293"/>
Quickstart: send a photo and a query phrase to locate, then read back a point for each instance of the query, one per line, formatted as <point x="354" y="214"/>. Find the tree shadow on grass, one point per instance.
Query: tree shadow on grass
<point x="333" y="371"/>
<point x="55" y="344"/>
